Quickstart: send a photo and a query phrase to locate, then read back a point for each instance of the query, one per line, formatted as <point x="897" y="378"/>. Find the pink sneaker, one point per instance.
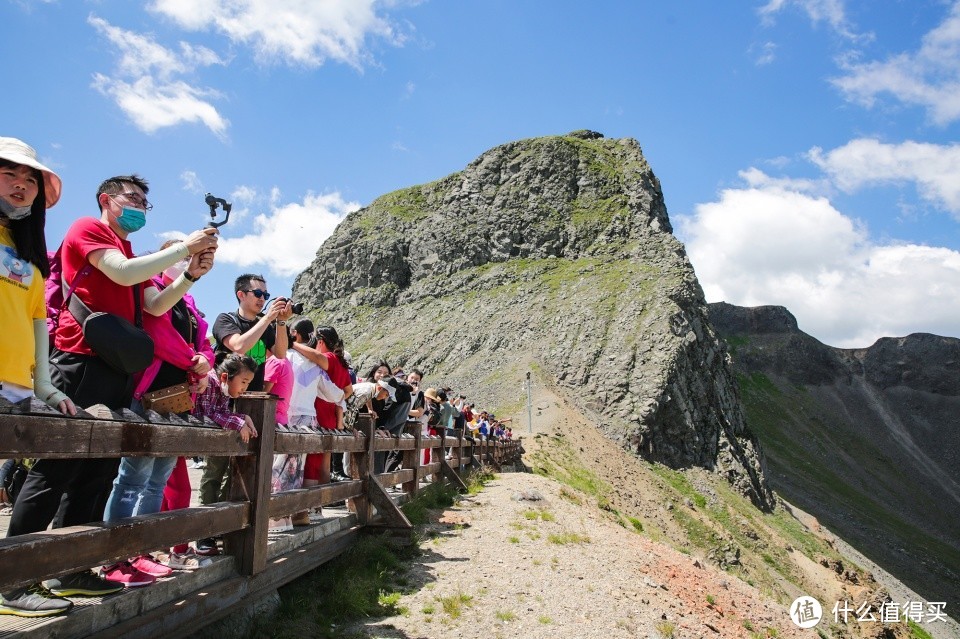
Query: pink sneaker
<point x="146" y="563"/>
<point x="125" y="574"/>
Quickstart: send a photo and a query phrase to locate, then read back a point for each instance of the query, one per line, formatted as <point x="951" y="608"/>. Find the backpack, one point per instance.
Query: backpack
<point x="433" y="410"/>
<point x="56" y="292"/>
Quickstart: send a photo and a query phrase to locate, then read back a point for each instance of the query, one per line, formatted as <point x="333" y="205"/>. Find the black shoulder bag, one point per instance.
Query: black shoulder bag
<point x="124" y="346"/>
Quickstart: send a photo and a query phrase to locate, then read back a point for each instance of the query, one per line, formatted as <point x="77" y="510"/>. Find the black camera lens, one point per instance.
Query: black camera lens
<point x="297" y="308"/>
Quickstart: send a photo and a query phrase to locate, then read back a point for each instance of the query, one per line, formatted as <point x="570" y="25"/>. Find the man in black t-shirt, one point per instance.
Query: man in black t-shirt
<point x="250" y="331"/>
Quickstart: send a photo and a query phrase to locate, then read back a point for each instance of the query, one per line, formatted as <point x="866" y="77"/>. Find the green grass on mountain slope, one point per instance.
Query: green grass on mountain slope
<point x="548" y="286"/>
<point x="717" y="525"/>
<point x="844" y="479"/>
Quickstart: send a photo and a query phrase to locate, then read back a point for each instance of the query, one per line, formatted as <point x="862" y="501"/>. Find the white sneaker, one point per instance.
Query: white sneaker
<point x="284" y="524"/>
<point x="187" y="561"/>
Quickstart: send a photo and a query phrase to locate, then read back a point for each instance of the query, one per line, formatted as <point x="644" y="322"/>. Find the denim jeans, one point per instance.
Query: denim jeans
<point x="138" y="488"/>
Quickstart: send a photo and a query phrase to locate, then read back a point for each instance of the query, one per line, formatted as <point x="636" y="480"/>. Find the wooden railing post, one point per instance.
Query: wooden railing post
<point x="363" y="468"/>
<point x="251" y="481"/>
<point x="474" y="457"/>
<point x="443" y="441"/>
<point x="412" y="459"/>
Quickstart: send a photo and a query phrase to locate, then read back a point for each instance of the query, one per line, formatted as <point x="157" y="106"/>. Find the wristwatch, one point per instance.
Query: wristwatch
<point x="281" y="323"/>
<point x="189" y="277"/>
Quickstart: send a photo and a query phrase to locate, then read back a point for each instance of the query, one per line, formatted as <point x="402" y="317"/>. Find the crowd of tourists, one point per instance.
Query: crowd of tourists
<point x="92" y="323"/>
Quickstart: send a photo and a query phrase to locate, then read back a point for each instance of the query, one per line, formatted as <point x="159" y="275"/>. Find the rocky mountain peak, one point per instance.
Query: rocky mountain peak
<point x="553" y="256"/>
<point x="563" y="196"/>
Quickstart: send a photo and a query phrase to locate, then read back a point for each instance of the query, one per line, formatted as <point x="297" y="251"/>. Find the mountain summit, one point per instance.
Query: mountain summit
<point x="552" y="256"/>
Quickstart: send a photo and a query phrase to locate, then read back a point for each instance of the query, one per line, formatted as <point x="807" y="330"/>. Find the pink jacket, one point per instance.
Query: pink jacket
<point x="169" y="345"/>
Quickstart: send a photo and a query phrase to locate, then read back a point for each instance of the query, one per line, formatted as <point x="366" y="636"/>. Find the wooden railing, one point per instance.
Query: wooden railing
<point x="243" y="521"/>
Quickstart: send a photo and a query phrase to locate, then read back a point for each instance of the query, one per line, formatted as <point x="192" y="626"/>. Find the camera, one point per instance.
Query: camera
<point x="297" y="307"/>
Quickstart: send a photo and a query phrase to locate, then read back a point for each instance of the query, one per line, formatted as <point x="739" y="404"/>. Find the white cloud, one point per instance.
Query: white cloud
<point x="831" y="12"/>
<point x="756" y="178"/>
<point x="771" y="245"/>
<point x="285" y="240"/>
<point x="244" y="194"/>
<point x="191" y="182"/>
<point x="764" y="54"/>
<point x="28" y="5"/>
<point x="144" y="84"/>
<point x="298" y="32"/>
<point x="928" y="77"/>
<point x="865" y="162"/>
<point x="154" y="106"/>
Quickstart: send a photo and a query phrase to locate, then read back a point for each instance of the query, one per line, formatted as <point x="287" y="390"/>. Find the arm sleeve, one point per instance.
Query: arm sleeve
<point x="230" y="421"/>
<point x="129" y="271"/>
<point x="208" y="404"/>
<point x="327" y="390"/>
<point x="43" y="388"/>
<point x="159" y="302"/>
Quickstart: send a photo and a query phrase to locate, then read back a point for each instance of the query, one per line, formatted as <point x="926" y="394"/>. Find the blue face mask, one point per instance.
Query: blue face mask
<point x="132" y="220"/>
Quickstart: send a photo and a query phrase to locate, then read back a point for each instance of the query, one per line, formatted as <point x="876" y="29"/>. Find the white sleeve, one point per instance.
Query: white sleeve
<point x="128" y="271"/>
<point x="327" y="390"/>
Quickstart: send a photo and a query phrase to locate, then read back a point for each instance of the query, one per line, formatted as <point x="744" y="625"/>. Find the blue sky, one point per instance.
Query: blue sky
<point x="806" y="148"/>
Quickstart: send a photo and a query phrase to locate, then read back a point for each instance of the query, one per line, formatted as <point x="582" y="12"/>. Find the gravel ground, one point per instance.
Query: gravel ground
<point x="571" y="573"/>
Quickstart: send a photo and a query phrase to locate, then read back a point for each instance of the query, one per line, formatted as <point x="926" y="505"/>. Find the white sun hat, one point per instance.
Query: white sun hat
<point x="20" y="152"/>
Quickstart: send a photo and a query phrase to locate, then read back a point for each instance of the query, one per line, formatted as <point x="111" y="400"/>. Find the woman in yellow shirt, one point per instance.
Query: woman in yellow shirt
<point x="27" y="190"/>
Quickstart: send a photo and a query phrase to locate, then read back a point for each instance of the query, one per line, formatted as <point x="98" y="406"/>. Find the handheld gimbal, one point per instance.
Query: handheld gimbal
<point x="213" y="203"/>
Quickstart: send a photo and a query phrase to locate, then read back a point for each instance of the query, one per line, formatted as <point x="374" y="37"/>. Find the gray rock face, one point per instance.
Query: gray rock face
<point x="551" y="255"/>
<point x="866" y="439"/>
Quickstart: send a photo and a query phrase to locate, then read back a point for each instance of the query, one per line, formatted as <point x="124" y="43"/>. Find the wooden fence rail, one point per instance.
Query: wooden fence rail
<point x="243" y="521"/>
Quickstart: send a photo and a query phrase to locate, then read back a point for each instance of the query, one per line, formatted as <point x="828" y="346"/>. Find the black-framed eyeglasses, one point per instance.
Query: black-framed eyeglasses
<point x="257" y="292"/>
<point x="137" y="199"/>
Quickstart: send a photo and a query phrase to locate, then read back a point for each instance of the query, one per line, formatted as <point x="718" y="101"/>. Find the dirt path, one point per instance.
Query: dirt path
<point x="503" y="567"/>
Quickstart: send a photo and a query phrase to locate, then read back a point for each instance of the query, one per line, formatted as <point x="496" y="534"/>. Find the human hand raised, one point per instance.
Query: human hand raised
<point x="284" y="307"/>
<point x="202" y="240"/>
<point x="275" y="310"/>
<point x="200" y="264"/>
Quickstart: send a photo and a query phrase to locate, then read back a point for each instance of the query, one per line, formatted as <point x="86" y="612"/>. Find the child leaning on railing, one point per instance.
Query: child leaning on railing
<point x="228" y="381"/>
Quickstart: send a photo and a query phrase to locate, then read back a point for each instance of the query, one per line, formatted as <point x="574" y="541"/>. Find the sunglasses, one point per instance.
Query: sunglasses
<point x="258" y="293"/>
